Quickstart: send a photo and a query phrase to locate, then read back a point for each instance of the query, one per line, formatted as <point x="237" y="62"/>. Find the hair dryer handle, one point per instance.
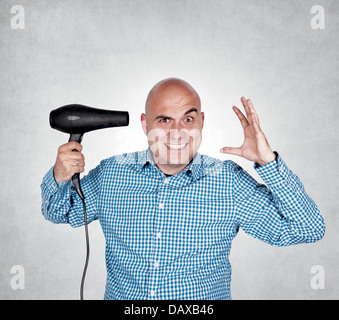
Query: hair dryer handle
<point x="76" y="177"/>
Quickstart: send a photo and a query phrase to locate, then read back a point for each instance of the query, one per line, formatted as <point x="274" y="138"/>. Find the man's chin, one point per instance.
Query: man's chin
<point x="175" y="161"/>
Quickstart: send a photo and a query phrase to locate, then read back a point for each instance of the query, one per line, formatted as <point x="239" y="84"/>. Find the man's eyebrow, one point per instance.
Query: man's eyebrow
<point x="191" y="110"/>
<point x="161" y="116"/>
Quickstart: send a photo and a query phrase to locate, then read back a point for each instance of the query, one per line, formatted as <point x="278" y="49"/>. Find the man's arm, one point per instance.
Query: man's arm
<point x="280" y="213"/>
<point x="61" y="203"/>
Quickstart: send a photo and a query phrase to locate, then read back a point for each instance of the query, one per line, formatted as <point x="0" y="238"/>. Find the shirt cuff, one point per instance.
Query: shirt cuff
<point x="50" y="184"/>
<point x="274" y="172"/>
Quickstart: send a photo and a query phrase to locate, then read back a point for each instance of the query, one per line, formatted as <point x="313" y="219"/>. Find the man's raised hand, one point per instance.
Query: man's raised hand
<point x="255" y="146"/>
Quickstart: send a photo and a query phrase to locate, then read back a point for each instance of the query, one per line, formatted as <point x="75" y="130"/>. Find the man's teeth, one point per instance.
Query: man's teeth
<point x="176" y="146"/>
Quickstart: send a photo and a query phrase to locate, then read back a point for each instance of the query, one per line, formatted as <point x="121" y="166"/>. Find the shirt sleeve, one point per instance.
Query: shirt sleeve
<point x="280" y="212"/>
<point x="62" y="204"/>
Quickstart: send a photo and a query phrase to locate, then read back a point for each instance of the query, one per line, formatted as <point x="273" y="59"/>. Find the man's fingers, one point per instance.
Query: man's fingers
<point x="241" y="117"/>
<point x="247" y="109"/>
<point x="70" y="146"/>
<point x="255" y="123"/>
<point x="74" y="155"/>
<point x="71" y="157"/>
<point x="73" y="166"/>
<point x="252" y="110"/>
<point x="231" y="150"/>
<point x="76" y="162"/>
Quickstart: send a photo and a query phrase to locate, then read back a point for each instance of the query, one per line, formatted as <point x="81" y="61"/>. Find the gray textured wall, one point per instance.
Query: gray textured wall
<point x="108" y="54"/>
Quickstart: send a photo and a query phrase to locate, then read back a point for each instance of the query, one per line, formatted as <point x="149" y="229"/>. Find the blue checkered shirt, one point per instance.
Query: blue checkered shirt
<point x="170" y="237"/>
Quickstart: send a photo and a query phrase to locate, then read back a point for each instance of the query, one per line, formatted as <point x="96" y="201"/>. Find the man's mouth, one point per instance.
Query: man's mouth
<point x="176" y="146"/>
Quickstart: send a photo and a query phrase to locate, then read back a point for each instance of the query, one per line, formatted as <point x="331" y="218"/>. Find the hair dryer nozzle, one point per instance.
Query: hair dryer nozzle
<point x="76" y="118"/>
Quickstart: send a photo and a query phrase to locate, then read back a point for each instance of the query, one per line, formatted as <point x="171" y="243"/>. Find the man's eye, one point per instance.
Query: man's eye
<point x="164" y="120"/>
<point x="189" y="119"/>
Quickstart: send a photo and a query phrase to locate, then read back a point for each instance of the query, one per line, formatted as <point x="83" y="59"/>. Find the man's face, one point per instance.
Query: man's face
<point x="173" y="123"/>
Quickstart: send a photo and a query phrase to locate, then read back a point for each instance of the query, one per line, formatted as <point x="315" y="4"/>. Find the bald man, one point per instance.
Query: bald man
<point x="169" y="214"/>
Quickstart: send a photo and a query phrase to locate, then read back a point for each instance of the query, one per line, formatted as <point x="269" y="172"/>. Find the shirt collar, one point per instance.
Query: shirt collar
<point x="195" y="167"/>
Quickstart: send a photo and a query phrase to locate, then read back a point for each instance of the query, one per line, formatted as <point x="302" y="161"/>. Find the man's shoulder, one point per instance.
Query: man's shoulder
<point x="209" y="162"/>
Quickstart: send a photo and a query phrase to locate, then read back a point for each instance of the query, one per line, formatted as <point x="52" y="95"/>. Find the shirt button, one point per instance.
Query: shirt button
<point x="156" y="264"/>
<point x="159" y="235"/>
<point x="161" y="205"/>
<point x="152" y="293"/>
<point x="166" y="181"/>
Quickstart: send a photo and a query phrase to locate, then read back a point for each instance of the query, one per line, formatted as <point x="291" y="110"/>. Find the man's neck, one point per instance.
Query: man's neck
<point x="171" y="170"/>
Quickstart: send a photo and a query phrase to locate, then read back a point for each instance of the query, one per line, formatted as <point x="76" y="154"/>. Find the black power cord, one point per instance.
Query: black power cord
<point x="76" y="183"/>
<point x="87" y="252"/>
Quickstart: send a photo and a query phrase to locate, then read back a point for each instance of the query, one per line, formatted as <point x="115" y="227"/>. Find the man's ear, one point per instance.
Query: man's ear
<point x="202" y="119"/>
<point x="144" y="123"/>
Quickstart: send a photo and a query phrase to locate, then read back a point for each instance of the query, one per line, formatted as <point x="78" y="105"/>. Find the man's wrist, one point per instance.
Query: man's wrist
<point x="272" y="157"/>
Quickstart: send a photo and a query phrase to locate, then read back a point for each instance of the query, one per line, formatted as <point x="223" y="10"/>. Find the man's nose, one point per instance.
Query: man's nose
<point x="177" y="133"/>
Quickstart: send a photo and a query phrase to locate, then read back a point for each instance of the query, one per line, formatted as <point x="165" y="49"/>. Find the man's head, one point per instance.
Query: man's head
<point x="173" y="123"/>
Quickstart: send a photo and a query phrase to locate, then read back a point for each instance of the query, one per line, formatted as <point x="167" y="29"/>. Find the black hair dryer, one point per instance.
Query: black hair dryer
<point x="77" y="119"/>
